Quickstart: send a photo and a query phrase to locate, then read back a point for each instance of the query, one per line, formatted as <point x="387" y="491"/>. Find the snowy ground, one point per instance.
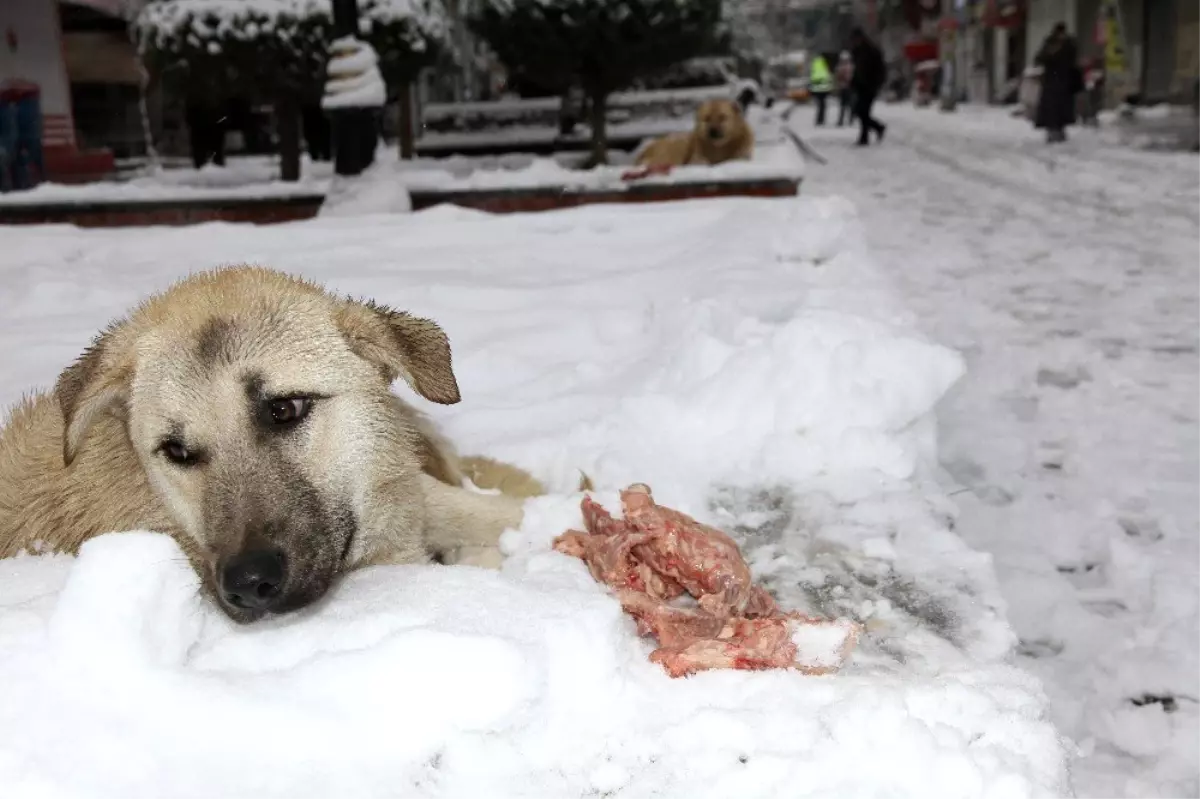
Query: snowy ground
<point x="747" y="358"/>
<point x="1068" y="277"/>
<point x="242" y="177"/>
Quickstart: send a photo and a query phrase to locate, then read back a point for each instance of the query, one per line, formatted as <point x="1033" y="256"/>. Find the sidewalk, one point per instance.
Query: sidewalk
<point x="1067" y="276"/>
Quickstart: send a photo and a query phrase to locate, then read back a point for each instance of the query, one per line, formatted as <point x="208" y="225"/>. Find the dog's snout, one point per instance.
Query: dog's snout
<point x="715" y="132"/>
<point x="254" y="580"/>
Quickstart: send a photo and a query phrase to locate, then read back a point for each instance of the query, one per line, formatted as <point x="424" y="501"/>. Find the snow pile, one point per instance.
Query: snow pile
<point x="243" y="177"/>
<point x="452" y="682"/>
<point x="744" y="357"/>
<point x="372" y="192"/>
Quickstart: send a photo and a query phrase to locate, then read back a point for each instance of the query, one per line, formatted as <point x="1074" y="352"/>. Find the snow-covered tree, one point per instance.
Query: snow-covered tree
<point x="603" y="45"/>
<point x="276" y="50"/>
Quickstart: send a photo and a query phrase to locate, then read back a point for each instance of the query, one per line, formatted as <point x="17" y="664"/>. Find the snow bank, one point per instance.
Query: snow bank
<point x="744" y="357"/>
<point x="451" y="682"/>
<point x="241" y="178"/>
<point x="771" y="161"/>
<point x="256" y="176"/>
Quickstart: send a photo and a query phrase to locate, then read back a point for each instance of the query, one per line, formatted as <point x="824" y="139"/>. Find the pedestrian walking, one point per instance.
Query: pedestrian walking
<point x="843" y="74"/>
<point x="870" y="73"/>
<point x="820" y="84"/>
<point x="1062" y="80"/>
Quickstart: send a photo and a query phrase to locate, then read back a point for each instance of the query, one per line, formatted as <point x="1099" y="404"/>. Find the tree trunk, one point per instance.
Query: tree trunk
<point x="597" y="115"/>
<point x="287" y="121"/>
<point x="408" y="147"/>
<point x="566" y="112"/>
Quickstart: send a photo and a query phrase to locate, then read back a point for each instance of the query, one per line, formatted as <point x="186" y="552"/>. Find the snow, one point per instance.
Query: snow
<point x="772" y="161"/>
<point x="747" y="358"/>
<point x="517" y="136"/>
<point x="242" y="178"/>
<point x="373" y="192"/>
<point x="500" y="109"/>
<point x="353" y="80"/>
<point x="256" y="177"/>
<point x="1068" y="277"/>
<point x="254" y="19"/>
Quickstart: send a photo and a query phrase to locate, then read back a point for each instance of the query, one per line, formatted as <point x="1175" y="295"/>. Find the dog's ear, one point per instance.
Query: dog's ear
<point x="403" y="346"/>
<point x="97" y="383"/>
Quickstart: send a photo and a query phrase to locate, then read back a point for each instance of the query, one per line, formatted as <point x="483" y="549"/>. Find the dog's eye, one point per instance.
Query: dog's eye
<point x="176" y="452"/>
<point x="289" y="410"/>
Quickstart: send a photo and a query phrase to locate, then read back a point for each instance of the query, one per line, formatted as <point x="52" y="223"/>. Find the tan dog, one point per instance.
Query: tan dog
<point x="720" y="134"/>
<point x="249" y="415"/>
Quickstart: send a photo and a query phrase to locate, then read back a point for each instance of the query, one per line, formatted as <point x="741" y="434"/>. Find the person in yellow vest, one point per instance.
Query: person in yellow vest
<point x="820" y="84"/>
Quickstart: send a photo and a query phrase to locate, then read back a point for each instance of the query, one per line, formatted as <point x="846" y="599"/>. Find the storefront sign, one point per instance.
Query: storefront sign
<point x="1109" y="27"/>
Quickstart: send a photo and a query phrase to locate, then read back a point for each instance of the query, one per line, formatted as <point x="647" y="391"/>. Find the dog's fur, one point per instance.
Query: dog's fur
<point x="719" y="134"/>
<point x="197" y="373"/>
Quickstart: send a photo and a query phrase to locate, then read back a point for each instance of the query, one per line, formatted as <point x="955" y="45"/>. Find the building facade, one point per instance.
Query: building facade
<point x="1161" y="40"/>
<point x="87" y="76"/>
<point x="32" y="53"/>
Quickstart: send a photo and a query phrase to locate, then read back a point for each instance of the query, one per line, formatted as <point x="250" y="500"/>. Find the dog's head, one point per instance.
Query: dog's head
<point x="260" y="409"/>
<point x="718" y="121"/>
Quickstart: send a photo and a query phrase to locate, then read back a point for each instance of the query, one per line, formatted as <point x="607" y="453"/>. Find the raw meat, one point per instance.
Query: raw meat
<point x="656" y="554"/>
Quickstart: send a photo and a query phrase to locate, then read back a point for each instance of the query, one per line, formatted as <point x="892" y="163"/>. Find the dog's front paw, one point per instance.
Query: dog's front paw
<point x="481" y="556"/>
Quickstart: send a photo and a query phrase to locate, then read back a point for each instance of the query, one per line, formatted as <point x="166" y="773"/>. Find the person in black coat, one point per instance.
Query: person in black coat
<point x="870" y="72"/>
<point x="1062" y="80"/>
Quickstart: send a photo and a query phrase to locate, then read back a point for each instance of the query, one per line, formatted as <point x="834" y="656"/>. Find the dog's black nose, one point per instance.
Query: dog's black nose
<point x="254" y="580"/>
<point x="715" y="133"/>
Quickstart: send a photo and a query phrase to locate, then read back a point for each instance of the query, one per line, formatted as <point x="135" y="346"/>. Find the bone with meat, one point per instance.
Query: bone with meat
<point x="656" y="554"/>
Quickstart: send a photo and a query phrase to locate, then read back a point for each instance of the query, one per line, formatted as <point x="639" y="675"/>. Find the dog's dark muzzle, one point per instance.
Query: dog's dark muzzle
<point x="253" y="582"/>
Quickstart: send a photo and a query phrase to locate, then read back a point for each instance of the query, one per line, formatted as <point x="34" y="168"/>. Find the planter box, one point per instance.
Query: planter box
<point x="270" y="210"/>
<point x="125" y="213"/>
<point x="547" y="198"/>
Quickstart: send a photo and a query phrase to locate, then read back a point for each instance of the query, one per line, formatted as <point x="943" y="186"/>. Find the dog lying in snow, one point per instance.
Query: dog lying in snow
<point x="720" y="134"/>
<point x="249" y="415"/>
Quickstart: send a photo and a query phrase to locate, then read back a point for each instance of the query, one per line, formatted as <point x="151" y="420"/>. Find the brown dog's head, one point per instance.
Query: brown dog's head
<point x="718" y="121"/>
<point x="261" y="411"/>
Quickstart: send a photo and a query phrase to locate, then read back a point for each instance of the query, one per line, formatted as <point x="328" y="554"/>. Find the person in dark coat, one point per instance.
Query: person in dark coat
<point x="206" y="124"/>
<point x="870" y="72"/>
<point x="1062" y="80"/>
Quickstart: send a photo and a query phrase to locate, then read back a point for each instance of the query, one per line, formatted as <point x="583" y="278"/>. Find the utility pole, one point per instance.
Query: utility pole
<point x="353" y="142"/>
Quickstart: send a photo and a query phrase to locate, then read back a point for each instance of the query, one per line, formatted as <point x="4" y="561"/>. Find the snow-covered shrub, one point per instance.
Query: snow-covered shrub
<point x="601" y="45"/>
<point x="276" y="50"/>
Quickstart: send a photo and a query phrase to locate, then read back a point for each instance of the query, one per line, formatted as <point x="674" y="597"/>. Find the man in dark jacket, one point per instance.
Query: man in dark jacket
<point x="870" y="72"/>
<point x="1062" y="80"/>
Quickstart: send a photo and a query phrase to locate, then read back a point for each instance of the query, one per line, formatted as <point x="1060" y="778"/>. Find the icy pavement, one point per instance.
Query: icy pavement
<point x="745" y="357"/>
<point x="1068" y="277"/>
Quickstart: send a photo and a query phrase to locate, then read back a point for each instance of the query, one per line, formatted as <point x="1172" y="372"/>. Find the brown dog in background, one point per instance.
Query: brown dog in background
<point x="720" y="134"/>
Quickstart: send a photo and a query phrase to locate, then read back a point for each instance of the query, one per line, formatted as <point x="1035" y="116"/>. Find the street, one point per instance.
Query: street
<point x="1067" y="277"/>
